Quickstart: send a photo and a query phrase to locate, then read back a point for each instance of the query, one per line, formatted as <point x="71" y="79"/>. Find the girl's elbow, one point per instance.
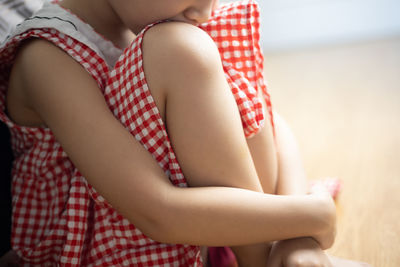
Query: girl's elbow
<point x="160" y="223"/>
<point x="161" y="232"/>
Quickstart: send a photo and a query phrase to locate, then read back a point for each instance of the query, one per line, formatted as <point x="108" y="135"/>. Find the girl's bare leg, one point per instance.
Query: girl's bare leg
<point x="305" y="252"/>
<point x="292" y="180"/>
<point x="205" y="128"/>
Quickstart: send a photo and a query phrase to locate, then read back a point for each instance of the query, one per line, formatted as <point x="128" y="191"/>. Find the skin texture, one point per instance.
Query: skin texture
<point x="165" y="216"/>
<point x="41" y="93"/>
<point x="203" y="121"/>
<point x="204" y="125"/>
<point x="298" y="252"/>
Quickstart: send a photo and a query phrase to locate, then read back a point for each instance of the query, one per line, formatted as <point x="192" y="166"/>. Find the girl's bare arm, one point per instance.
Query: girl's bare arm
<point x="185" y="74"/>
<point x="69" y="102"/>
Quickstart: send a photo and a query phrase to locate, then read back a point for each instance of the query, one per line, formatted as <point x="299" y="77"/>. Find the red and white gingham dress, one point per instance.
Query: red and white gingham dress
<point x="58" y="218"/>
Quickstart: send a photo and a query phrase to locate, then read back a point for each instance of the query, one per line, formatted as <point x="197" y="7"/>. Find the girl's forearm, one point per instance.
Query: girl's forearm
<point x="217" y="216"/>
<point x="125" y="174"/>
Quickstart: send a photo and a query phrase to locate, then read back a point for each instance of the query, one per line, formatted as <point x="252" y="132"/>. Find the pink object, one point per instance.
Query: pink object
<point x="331" y="184"/>
<point x="221" y="257"/>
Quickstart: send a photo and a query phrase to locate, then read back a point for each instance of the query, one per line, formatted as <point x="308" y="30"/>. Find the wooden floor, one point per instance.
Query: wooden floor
<point x="343" y="104"/>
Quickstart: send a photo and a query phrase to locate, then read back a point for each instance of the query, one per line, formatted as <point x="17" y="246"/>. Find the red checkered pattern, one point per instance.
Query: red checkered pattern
<point x="57" y="216"/>
<point x="235" y="30"/>
<point x="50" y="198"/>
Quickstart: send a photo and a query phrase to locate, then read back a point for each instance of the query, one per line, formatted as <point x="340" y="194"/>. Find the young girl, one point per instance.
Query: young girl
<point x="55" y="108"/>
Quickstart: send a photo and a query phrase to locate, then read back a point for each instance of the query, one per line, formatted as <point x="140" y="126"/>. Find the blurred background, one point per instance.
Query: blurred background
<point x="294" y="24"/>
<point x="333" y="71"/>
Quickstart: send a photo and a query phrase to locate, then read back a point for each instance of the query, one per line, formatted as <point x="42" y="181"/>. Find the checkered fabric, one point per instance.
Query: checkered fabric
<point x="235" y="30"/>
<point x="58" y="218"/>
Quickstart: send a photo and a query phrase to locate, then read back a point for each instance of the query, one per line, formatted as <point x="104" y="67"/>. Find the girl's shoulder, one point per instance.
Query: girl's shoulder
<point x="58" y="19"/>
<point x="239" y="18"/>
<point x="54" y="48"/>
<point x="58" y="29"/>
<point x="234" y="24"/>
<point x="40" y="68"/>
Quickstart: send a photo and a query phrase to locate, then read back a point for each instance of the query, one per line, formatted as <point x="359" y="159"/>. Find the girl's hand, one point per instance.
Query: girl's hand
<point x="299" y="252"/>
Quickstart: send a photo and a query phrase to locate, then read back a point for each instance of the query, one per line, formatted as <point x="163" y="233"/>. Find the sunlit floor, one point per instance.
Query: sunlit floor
<point x="343" y="104"/>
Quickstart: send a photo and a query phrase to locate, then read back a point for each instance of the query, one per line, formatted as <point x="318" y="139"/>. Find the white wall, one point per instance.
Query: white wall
<point x="288" y="24"/>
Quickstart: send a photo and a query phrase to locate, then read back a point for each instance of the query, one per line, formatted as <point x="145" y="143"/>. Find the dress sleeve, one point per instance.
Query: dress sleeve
<point x="235" y="28"/>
